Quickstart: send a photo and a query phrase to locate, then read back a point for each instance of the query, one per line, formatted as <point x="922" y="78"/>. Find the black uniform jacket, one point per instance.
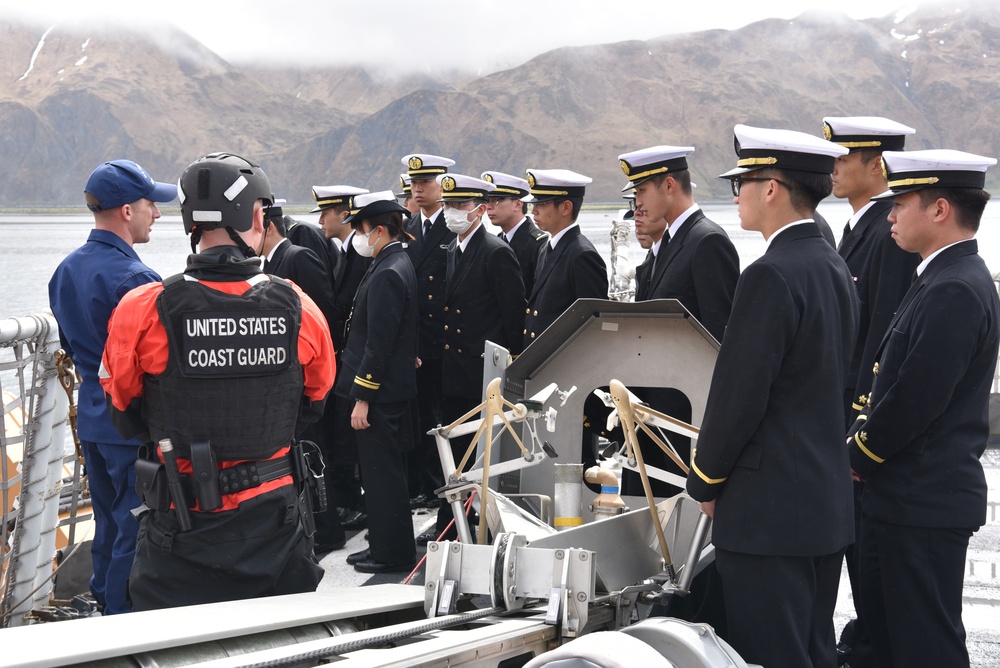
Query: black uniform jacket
<point x="699" y="267"/>
<point x="882" y="272"/>
<point x="378" y="363"/>
<point x="312" y="237"/>
<point x="919" y="438"/>
<point x="485" y="301"/>
<point x="824" y="228"/>
<point x="301" y="266"/>
<point x="347" y="277"/>
<point x="771" y="448"/>
<point x="573" y="270"/>
<point x="526" y="243"/>
<point x="430" y="261"/>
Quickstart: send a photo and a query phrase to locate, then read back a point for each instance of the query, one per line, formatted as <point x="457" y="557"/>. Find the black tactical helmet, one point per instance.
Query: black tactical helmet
<point x="219" y="190"/>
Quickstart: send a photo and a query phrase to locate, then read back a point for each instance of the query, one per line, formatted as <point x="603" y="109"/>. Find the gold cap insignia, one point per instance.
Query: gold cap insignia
<point x="447" y="184"/>
<point x="531" y="180"/>
<point x="415" y="162"/>
<point x="402" y="182"/>
<point x="827" y="131"/>
<point x="488" y="177"/>
<point x="625" y="167"/>
<point x="885" y="171"/>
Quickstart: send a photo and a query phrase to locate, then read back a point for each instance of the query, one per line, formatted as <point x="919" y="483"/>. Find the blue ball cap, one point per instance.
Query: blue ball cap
<point x="121" y="182"/>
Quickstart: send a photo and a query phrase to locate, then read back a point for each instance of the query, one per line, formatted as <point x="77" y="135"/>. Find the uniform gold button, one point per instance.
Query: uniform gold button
<point x="447" y="347"/>
<point x="875" y="369"/>
<point x="536" y="314"/>
<point x="458" y="311"/>
<point x="446" y="328"/>
<point x="445" y="309"/>
<point x="527" y="311"/>
<point x="525" y="331"/>
<point x="458" y="331"/>
<point x="532" y="335"/>
<point x="430" y="278"/>
<point x="459" y="351"/>
<point x="430" y="297"/>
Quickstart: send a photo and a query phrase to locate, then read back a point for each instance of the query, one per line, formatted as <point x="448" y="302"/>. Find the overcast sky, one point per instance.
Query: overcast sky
<point x="427" y="35"/>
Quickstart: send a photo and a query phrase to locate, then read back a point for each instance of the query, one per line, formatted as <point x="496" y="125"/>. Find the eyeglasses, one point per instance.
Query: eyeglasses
<point x="493" y="201"/>
<point x="737" y="183"/>
<point x="631" y="204"/>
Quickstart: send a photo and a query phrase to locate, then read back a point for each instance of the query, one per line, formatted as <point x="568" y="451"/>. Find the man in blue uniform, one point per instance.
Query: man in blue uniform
<point x="84" y="290"/>
<point x="770" y="464"/>
<point x="569" y="267"/>
<point x="918" y="440"/>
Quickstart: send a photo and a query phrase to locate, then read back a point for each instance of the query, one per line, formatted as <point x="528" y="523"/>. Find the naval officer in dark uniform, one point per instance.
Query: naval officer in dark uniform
<point x="508" y="212"/>
<point x="569" y="268"/>
<point x="918" y="440"/>
<point x="344" y="501"/>
<point x="770" y="464"/>
<point x="428" y="250"/>
<point x="694" y="260"/>
<point x="882" y="272"/>
<point x="484" y="302"/>
<point x="405" y="196"/>
<point x="378" y="374"/>
<point x="298" y="264"/>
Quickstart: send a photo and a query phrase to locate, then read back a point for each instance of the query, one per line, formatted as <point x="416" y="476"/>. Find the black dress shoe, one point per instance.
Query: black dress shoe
<point x="356" y="520"/>
<point x="324" y="548"/>
<point x="432" y="535"/>
<point x="366" y="535"/>
<point x="363" y="555"/>
<point x="371" y="566"/>
<point x="424" y="501"/>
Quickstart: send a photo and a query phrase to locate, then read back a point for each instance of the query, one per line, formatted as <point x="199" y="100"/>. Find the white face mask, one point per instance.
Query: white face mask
<point x="457" y="221"/>
<point x="360" y="243"/>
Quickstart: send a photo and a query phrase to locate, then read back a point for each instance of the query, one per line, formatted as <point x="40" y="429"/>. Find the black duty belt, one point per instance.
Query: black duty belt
<point x="244" y="476"/>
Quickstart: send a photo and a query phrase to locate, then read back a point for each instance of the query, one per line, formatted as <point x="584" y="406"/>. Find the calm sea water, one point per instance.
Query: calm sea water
<point x="35" y="244"/>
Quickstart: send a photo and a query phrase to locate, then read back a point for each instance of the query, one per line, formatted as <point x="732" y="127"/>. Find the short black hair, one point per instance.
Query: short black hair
<point x="869" y="154"/>
<point x="682" y="178"/>
<point x="968" y="203"/>
<point x="577" y="203"/>
<point x="807" y="188"/>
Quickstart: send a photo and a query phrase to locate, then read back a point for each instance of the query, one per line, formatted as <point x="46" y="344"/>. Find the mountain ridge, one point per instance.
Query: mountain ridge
<point x="91" y="95"/>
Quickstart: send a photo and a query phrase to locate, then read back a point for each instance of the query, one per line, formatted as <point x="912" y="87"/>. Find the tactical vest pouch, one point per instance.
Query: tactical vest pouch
<point x="151" y="484"/>
<point x="206" y="475"/>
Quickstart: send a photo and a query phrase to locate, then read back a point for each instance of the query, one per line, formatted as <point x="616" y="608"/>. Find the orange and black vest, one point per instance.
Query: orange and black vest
<point x="233" y="375"/>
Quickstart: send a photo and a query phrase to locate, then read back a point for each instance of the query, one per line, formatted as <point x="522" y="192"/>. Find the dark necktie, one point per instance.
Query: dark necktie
<point x="503" y="235"/>
<point x="427" y="227"/>
<point x="843" y="237"/>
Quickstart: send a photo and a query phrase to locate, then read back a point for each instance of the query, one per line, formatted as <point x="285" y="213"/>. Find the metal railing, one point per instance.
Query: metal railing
<point x="34" y="449"/>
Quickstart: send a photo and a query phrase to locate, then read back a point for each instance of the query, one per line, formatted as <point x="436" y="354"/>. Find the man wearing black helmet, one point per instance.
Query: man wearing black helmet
<point x="217" y="369"/>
